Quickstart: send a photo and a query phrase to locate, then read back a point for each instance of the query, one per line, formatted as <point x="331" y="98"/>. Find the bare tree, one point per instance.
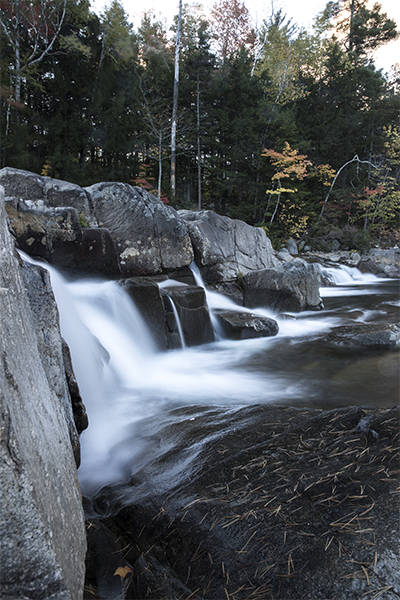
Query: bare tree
<point x="31" y="29"/>
<point x="153" y="114"/>
<point x="354" y="159"/>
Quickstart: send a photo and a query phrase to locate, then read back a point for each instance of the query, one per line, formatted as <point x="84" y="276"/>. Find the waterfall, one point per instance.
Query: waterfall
<point x="218" y="332"/>
<point x="344" y="275"/>
<point x="178" y="322"/>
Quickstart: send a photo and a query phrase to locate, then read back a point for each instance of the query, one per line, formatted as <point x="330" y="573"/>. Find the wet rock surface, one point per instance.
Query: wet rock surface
<point x="366" y="335"/>
<point x="192" y="312"/>
<point x="146" y="295"/>
<point x="267" y="502"/>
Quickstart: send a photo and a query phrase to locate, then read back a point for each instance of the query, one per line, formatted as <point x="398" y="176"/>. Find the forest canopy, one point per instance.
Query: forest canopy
<point x="293" y="130"/>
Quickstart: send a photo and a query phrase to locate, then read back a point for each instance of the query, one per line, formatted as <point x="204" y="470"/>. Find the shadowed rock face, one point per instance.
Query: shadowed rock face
<point x="56" y="235"/>
<point x="191" y="306"/>
<point x="42" y="535"/>
<point x="154" y="304"/>
<point x="146" y="296"/>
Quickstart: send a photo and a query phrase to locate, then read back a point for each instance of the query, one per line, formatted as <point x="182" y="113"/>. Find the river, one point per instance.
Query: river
<point x="125" y="381"/>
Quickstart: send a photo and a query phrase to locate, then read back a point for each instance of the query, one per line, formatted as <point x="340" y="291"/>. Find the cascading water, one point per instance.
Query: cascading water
<point x="219" y="335"/>
<point x="178" y="322"/>
<point x="124" y="379"/>
<point x="348" y="275"/>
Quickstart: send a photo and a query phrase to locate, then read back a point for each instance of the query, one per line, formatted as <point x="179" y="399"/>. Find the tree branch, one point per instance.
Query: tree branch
<point x="354" y="159"/>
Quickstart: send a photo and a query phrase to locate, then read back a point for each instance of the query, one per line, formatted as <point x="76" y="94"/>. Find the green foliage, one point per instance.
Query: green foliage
<point x="82" y="221"/>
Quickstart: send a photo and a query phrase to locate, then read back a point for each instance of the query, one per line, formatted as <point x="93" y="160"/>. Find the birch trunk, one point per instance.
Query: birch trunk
<point x="175" y="103"/>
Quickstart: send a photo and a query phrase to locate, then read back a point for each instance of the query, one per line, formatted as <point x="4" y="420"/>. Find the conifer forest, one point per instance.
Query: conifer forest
<point x="289" y="129"/>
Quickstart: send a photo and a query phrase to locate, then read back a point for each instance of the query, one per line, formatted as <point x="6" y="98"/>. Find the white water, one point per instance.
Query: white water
<point x="346" y="280"/>
<point x="123" y="378"/>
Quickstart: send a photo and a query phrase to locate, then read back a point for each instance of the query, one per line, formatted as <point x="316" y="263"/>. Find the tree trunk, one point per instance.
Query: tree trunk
<point x="175" y="103"/>
<point x="159" y="163"/>
<point x="198" y="145"/>
<point x="277" y="203"/>
<point x="351" y="25"/>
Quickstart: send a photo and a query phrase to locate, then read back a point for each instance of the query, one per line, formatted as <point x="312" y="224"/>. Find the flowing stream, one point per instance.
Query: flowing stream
<point x="125" y="380"/>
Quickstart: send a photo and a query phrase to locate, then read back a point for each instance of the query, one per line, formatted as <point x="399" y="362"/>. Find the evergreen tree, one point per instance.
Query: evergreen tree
<point x="233" y="137"/>
<point x="364" y="29"/>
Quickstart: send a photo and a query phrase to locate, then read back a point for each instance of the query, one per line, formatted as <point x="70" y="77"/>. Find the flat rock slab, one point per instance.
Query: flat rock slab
<point x="366" y="335"/>
<point x="262" y="502"/>
<point x="243" y="325"/>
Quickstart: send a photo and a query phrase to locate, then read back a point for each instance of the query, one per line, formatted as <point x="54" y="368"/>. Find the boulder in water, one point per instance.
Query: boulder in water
<point x="243" y="325"/>
<point x="293" y="286"/>
<point x="193" y="313"/>
<point x="366" y="335"/>
<point x="145" y="293"/>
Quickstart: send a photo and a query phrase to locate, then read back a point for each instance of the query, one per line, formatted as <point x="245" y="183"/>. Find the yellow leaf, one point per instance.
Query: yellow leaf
<point x="123" y="571"/>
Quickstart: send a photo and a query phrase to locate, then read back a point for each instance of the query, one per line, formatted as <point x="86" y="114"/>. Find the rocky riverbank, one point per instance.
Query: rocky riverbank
<point x="42" y="535"/>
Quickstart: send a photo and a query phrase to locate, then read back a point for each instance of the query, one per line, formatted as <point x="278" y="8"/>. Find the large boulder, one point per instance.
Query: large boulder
<point x="109" y="229"/>
<point x="42" y="533"/>
<point x="244" y="325"/>
<point x="149" y="236"/>
<point x="57" y="236"/>
<point x="225" y="248"/>
<point x="293" y="286"/>
<point x="384" y="263"/>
